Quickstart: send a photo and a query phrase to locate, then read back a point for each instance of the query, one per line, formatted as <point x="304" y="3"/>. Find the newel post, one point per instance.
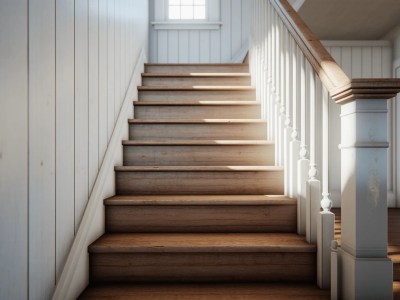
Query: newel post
<point x="365" y="271"/>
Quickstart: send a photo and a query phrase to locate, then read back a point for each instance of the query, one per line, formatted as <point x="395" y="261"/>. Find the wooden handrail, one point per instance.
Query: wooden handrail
<point x="341" y="88"/>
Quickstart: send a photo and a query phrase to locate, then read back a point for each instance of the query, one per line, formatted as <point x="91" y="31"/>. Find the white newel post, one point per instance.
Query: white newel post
<point x="366" y="272"/>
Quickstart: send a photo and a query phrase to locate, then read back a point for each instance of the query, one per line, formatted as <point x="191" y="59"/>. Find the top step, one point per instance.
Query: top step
<point x="196" y="68"/>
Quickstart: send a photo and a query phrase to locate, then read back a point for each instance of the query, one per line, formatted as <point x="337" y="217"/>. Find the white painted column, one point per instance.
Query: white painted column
<point x="366" y="272"/>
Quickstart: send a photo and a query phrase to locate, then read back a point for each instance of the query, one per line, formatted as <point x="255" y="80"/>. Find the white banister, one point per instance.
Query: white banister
<point x="301" y="87"/>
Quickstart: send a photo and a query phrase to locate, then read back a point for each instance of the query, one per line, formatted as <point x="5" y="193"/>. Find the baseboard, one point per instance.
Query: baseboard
<point x="75" y="274"/>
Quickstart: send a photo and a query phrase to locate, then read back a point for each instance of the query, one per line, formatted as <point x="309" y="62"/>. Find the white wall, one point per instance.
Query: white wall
<point x="65" y="69"/>
<point x="184" y="45"/>
<point x="359" y="59"/>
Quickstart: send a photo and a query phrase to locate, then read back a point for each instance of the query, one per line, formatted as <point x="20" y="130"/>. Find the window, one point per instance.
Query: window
<point x="187" y="9"/>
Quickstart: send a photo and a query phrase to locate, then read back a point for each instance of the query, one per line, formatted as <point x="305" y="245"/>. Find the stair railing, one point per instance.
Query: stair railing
<point x="298" y="84"/>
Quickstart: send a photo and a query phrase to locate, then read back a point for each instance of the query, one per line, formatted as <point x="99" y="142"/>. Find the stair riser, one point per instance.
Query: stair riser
<point x="201" y="218"/>
<point x="198" y="112"/>
<point x="255" y="131"/>
<point x="200" y="183"/>
<point x="396" y="272"/>
<point x="247" y="95"/>
<point x="197" y="69"/>
<point x="199" y="155"/>
<point x="202" y="267"/>
<point x="187" y="81"/>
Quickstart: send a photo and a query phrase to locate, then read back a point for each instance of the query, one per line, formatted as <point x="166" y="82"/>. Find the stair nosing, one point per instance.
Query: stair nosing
<point x="197" y="142"/>
<point x="198" y="200"/>
<point x="197" y="75"/>
<point x="196" y="103"/>
<point x="198" y="169"/>
<point x="197" y="121"/>
<point x="183" y="246"/>
<point x="195" y="88"/>
<point x="197" y="64"/>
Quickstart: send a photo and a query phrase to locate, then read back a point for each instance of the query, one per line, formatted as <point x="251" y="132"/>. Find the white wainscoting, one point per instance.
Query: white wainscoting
<point x="219" y="39"/>
<point x="65" y="70"/>
<point x="359" y="59"/>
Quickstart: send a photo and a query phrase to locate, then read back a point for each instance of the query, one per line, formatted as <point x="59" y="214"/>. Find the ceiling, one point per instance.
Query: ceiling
<point x="351" y="19"/>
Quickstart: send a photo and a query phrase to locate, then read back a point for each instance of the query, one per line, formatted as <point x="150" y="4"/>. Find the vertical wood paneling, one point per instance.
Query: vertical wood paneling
<point x="376" y="62"/>
<point x="110" y="67"/>
<point x="215" y="46"/>
<point x="59" y="101"/>
<point x="346" y="60"/>
<point x="162" y="43"/>
<point x="42" y="152"/>
<point x="194" y="40"/>
<point x="65" y="143"/>
<point x="93" y="91"/>
<point x="14" y="149"/>
<point x="236" y="25"/>
<point x="81" y="108"/>
<point x="183" y="41"/>
<point x="173" y="46"/>
<point x="245" y="21"/>
<point x="221" y="45"/>
<point x="366" y="62"/>
<point x="204" y="46"/>
<point x="103" y="84"/>
<point x="226" y="30"/>
<point x="356" y="62"/>
<point x="117" y="58"/>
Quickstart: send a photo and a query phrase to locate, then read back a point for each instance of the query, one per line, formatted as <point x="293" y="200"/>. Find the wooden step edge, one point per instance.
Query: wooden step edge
<point x="197" y="143"/>
<point x="394" y="249"/>
<point x="205" y="88"/>
<point x="196" y="64"/>
<point x="191" y="200"/>
<point x="198" y="169"/>
<point x="197" y="121"/>
<point x="201" y="243"/>
<point x="196" y="75"/>
<point x="197" y="103"/>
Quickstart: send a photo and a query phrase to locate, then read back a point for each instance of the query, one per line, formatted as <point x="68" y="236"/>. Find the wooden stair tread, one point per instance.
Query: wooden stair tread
<point x="396" y="290"/>
<point x="198" y="169"/>
<point x="197" y="121"/>
<point x="196" y="103"/>
<point x="209" y="291"/>
<point x="197" y="64"/>
<point x="201" y="243"/>
<point x="194" y="75"/>
<point x="196" y="142"/>
<point x="196" y="88"/>
<point x="201" y="200"/>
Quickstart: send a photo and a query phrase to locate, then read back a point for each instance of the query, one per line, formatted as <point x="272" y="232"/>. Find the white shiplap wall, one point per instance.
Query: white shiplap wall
<point x="65" y="69"/>
<point x="219" y="45"/>
<point x="359" y="59"/>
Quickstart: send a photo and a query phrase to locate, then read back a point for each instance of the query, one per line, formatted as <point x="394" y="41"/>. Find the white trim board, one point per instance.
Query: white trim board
<point x="186" y="25"/>
<point x="75" y="274"/>
<point x="370" y="43"/>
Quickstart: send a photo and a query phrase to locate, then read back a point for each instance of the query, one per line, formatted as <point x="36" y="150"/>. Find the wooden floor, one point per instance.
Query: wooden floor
<point x="253" y="291"/>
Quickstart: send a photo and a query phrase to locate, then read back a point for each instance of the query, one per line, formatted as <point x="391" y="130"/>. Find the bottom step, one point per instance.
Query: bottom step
<point x="260" y="291"/>
<point x="202" y="257"/>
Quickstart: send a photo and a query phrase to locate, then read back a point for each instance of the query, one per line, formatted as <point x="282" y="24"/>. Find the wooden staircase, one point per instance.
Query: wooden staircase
<point x="199" y="211"/>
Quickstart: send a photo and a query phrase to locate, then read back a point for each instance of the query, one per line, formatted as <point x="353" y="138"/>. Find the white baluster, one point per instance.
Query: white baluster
<point x="326" y="219"/>
<point x="294" y="146"/>
<point x="303" y="163"/>
<point x="288" y="111"/>
<point x="314" y="185"/>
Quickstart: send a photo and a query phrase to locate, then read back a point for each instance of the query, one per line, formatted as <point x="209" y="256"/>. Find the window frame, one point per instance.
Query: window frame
<point x="206" y="18"/>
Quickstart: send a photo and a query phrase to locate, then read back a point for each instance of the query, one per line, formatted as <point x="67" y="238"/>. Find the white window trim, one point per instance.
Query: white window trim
<point x="161" y="22"/>
<point x="166" y="12"/>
